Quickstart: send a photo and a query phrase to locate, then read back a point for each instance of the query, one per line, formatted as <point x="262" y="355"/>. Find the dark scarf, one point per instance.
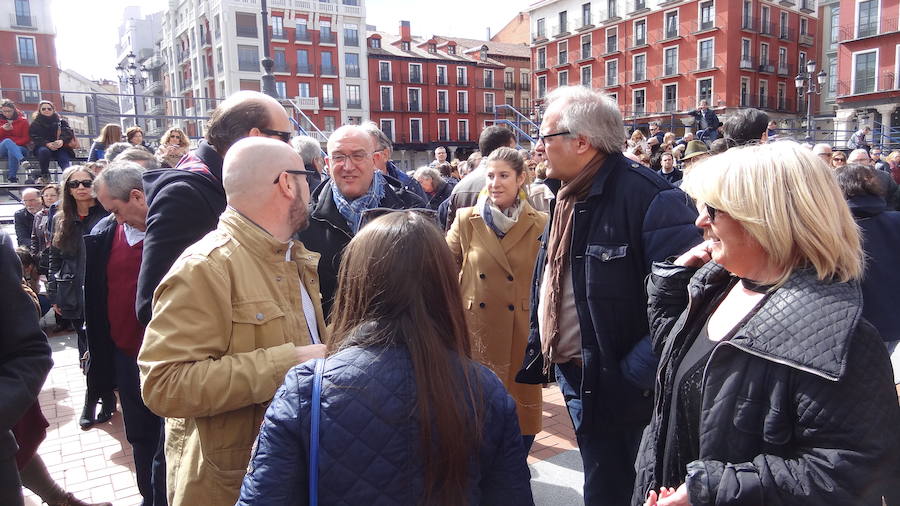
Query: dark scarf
<point x="558" y="249"/>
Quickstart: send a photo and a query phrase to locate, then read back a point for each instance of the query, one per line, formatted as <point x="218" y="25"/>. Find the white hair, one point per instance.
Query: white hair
<point x="858" y="156"/>
<point x="592" y="114"/>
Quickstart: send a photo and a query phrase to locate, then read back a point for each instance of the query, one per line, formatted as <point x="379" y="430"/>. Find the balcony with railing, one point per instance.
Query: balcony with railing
<point x="304" y="68"/>
<point x="307" y="102"/>
<point x="704" y="63"/>
<point x="788" y="34"/>
<point x="352" y="70"/>
<point x="328" y="70"/>
<point x="863" y="85"/>
<point x="637" y="75"/>
<point x="487" y="84"/>
<point x="807" y="6"/>
<point x="329" y="102"/>
<point x="351" y="41"/>
<point x="19" y="22"/>
<point x="414" y="106"/>
<point x="635" y="41"/>
<point x="560" y="30"/>
<point x="767" y="65"/>
<point x="386" y="107"/>
<point x="666" y="70"/>
<point x="442" y="109"/>
<point x="384" y="76"/>
<point x="281" y="67"/>
<point x="747" y="63"/>
<point x="806" y="39"/>
<point x="525" y="86"/>
<point x="461" y="81"/>
<point x="785" y="70"/>
<point x="327" y="37"/>
<point x="538" y="36"/>
<point x="462" y="108"/>
<point x="278" y="34"/>
<point x="750" y="23"/>
<point x="875" y="28"/>
<point x="302" y="36"/>
<point x="509" y="86"/>
<point x="766" y="28"/>
<point x="414" y="78"/>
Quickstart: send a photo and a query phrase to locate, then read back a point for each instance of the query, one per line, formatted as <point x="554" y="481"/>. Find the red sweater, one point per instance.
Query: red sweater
<point x="19" y="132"/>
<point x="121" y="280"/>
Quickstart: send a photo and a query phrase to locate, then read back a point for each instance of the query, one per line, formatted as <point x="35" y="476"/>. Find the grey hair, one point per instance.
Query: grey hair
<point x="308" y="148"/>
<point x="431" y="174"/>
<point x="592" y="114"/>
<point x="381" y="140"/>
<point x="116" y="149"/>
<point x="140" y="156"/>
<point x="31" y="190"/>
<point x="120" y="177"/>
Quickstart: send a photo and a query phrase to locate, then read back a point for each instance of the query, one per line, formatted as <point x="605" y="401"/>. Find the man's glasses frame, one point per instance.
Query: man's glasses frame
<point x="357" y="157"/>
<point x="304" y="172"/>
<point x="284" y="136"/>
<point x="542" y="138"/>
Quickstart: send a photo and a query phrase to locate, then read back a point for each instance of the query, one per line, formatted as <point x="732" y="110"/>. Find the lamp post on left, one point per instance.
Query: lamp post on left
<point x="810" y="84"/>
<point x="133" y="75"/>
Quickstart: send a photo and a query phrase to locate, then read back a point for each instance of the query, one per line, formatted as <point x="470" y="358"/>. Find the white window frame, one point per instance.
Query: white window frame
<point x="712" y="53"/>
<point x="606" y="40"/>
<point x="607" y="74"/>
<point x="853" y="56"/>
<point x="381" y="97"/>
<point x="538" y="87"/>
<point x="614" y="96"/>
<point x="446" y="122"/>
<point x="559" y="46"/>
<point x="856" y="20"/>
<point x="700" y="13"/>
<point x="493" y="101"/>
<point x="421" y="74"/>
<point x="421" y="102"/>
<point x="745" y="81"/>
<point x="540" y="51"/>
<point x="712" y="87"/>
<point x="33" y="46"/>
<point x="634" y="91"/>
<point x="281" y="89"/>
<point x="780" y="94"/>
<point x="782" y="50"/>
<point x="26" y="90"/>
<point x="393" y="134"/>
<point x="677" y="60"/>
<point x="634" y="31"/>
<point x="664" y="86"/>
<point x="390" y="76"/>
<point x="465" y="95"/>
<point x="421" y="139"/>
<point x="749" y="45"/>
<point x="437" y="74"/>
<point x="590" y="82"/>
<point x="763" y="83"/>
<point x="590" y="43"/>
<point x="465" y="74"/>
<point x="634" y="57"/>
<point x="446" y="94"/>
<point x="677" y="23"/>
<point x="462" y="122"/>
<point x="784" y="22"/>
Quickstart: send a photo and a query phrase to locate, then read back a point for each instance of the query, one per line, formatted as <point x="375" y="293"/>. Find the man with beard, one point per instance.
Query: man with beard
<point x="236" y="311"/>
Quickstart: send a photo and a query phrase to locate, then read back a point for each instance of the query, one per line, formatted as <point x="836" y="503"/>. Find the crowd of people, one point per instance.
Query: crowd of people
<point x="287" y="326"/>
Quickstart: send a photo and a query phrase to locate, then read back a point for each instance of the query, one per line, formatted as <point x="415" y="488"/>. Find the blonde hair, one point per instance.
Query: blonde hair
<point x="789" y="202"/>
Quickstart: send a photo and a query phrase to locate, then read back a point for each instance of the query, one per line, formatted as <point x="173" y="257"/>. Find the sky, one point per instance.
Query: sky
<point x="87" y="30"/>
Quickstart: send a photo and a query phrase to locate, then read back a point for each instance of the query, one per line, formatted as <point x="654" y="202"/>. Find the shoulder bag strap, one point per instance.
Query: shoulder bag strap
<point x="315" y="412"/>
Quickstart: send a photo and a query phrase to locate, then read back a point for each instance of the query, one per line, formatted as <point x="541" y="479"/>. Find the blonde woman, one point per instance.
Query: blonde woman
<point x="173" y="145"/>
<point x="496" y="244"/>
<point x="771" y="384"/>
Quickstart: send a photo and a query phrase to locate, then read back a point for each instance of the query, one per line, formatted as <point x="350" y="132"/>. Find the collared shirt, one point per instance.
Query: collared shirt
<point x="309" y="310"/>
<point x="133" y="235"/>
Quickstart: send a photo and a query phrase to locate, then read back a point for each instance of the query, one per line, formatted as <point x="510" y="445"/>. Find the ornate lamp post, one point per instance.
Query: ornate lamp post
<point x="133" y="75"/>
<point x="807" y="84"/>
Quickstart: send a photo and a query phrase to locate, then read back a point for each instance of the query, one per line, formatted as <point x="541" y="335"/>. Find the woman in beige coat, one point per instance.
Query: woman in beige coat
<point x="496" y="244"/>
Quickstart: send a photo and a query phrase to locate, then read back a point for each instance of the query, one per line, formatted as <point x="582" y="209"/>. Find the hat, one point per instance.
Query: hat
<point x="695" y="148"/>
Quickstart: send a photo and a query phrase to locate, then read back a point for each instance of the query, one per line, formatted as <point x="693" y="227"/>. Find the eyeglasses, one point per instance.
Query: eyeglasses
<point x="356" y="157"/>
<point x="87" y="183"/>
<point x="542" y="138"/>
<point x="370" y="215"/>
<point x="46" y="108"/>
<point x="304" y="172"/>
<point x="284" y="136"/>
<point x="711" y="212"/>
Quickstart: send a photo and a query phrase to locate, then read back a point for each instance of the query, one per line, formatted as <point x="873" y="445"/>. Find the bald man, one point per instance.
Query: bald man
<point x="185" y="203"/>
<point x="237" y="310"/>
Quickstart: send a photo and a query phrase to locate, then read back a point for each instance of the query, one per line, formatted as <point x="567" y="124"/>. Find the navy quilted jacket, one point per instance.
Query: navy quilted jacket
<point x="369" y="438"/>
<point x="797" y="408"/>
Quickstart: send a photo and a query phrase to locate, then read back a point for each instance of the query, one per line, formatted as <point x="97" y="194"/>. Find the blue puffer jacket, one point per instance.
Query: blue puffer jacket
<point x="369" y="446"/>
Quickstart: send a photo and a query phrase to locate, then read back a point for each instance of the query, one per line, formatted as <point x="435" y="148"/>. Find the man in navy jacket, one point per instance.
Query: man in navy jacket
<point x="610" y="220"/>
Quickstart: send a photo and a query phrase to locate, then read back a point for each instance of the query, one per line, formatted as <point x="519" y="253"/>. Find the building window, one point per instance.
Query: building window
<point x="745" y="92"/>
<point x="586" y="14"/>
<point x="489" y="103"/>
<point x="387" y="127"/>
<point x="329" y="124"/>
<point x="277" y="27"/>
<point x="763" y="94"/>
<point x="612" y="72"/>
<point x="442" y="75"/>
<point x="488" y="78"/>
<point x="351" y="64"/>
<point x="563" y="49"/>
<point x="867" y="19"/>
<point x="563" y="23"/>
<point x="784" y="26"/>
<point x="704" y="90"/>
<point x="27" y="54"/>
<point x="586" y="76"/>
<point x="451" y="49"/>
<point x="832" y="76"/>
<point x="671" y="24"/>
<point x="801" y="60"/>
<point x="542" y="86"/>
<point x="462" y="129"/>
<point x="281" y="89"/>
<point x="375" y="43"/>
<point x="804" y="26"/>
<point x="612" y="40"/>
<point x="670" y="98"/>
<point x="384" y="71"/>
<point x="415" y="73"/>
<point x="248" y="58"/>
<point x="585" y="46"/>
<point x="707" y="15"/>
<point x="525" y="104"/>
<point x="280" y="60"/>
<point x="670" y="61"/>
<point x="354" y="100"/>
<point x="23" y="13"/>
<point x="764" y="62"/>
<point x="639" y="67"/>
<point x="764" y="26"/>
<point x="415" y="130"/>
<point x="746" y="55"/>
<point x="782" y="100"/>
<point x="404" y="45"/>
<point x="327" y="59"/>
<point x="509" y="80"/>
<point x="442" y="101"/>
<point x="245" y="25"/>
<point x="461" y="76"/>
<point x="541" y="28"/>
<point x="351" y="35"/>
<point x="835" y="26"/>
<point x="782" y="61"/>
<point x="563" y="78"/>
<point x="864" y="72"/>
<point x="415" y="99"/>
<point x="542" y="58"/>
<point x="30" y="86"/>
<point x="328" y="96"/>
<point x="611" y="9"/>
<point x="301" y="31"/>
<point x="639" y="102"/>
<point x="326" y="36"/>
<point x="303" y="62"/>
<point x="304" y="90"/>
<point x="705" y="54"/>
<point x="443" y="130"/>
<point x="387" y="98"/>
<point x="462" y="102"/>
<point x="640" y="32"/>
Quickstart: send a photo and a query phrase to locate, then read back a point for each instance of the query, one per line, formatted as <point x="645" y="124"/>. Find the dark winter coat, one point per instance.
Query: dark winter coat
<point x="184" y="205"/>
<point x="630" y="218"/>
<point x="97" y="247"/>
<point x="407" y="181"/>
<point x="65" y="285"/>
<point x="442" y="193"/>
<point x="797" y="408"/>
<point x="328" y="232"/>
<point x="881" y="242"/>
<point x="24" y="222"/>
<point x="47" y="129"/>
<point x="368" y="451"/>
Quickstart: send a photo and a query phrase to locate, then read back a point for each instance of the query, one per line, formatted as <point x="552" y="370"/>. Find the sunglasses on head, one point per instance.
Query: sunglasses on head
<point x="370" y="215"/>
<point x="87" y="183"/>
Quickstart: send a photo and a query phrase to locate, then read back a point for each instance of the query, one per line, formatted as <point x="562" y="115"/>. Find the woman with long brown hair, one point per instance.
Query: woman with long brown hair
<point x="78" y="211"/>
<point x="110" y="134"/>
<point x="406" y="416"/>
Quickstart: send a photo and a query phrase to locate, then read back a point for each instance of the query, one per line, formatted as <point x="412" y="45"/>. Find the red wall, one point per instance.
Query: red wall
<point x="46" y="67"/>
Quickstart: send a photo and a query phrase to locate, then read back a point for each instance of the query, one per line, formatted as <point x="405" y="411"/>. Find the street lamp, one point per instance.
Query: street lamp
<point x="807" y="85"/>
<point x="132" y="74"/>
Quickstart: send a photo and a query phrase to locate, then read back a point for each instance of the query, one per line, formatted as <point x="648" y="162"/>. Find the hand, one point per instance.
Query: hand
<point x="309" y="352"/>
<point x="696" y="256"/>
<point x="57" y="310"/>
<point x="7" y="126"/>
<point x="51" y="146"/>
<point x="58" y="143"/>
<point x="668" y="497"/>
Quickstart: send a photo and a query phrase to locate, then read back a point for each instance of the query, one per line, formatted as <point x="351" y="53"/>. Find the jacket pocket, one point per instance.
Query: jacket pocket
<point x="256" y="324"/>
<point x="226" y="439"/>
<point x="760" y="418"/>
<point x="608" y="272"/>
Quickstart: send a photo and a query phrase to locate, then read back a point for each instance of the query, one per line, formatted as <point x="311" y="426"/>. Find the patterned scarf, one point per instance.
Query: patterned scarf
<point x="499" y="221"/>
<point x="352" y="211"/>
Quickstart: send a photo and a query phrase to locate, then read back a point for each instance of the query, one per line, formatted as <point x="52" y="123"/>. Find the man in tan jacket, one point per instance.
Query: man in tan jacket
<point x="237" y="310"/>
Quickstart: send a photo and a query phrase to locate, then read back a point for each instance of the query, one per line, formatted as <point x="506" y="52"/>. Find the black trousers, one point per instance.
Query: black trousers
<point x="145" y="432"/>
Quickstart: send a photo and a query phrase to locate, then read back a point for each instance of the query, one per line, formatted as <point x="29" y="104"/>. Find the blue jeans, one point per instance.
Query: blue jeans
<point x="607" y="453"/>
<point x="14" y="154"/>
<point x="45" y="154"/>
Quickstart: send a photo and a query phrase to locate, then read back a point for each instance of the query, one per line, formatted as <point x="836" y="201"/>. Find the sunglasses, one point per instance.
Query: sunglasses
<point x="284" y="136"/>
<point x="304" y="172"/>
<point x="87" y="183"/>
<point x="371" y="214"/>
<point x="711" y="212"/>
<point x="46" y="108"/>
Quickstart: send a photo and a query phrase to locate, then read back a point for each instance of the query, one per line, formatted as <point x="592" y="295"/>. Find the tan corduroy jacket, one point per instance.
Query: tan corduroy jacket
<point x="226" y="319"/>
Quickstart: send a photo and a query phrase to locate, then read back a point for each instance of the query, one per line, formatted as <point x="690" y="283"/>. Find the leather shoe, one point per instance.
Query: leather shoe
<point x="87" y="415"/>
<point x="108" y="409"/>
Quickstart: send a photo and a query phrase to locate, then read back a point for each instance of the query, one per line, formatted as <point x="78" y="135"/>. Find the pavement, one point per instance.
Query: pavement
<point x="96" y="465"/>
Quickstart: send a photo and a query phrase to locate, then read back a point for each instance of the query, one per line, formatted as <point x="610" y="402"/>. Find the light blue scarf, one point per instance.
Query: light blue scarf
<point x="352" y="211"/>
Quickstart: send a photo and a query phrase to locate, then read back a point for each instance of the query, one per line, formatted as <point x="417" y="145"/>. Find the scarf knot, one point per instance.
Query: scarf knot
<point x="352" y="210"/>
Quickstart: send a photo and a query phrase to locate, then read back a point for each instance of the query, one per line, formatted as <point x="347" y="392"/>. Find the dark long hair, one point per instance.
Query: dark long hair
<point x="65" y="236"/>
<point x="398" y="279"/>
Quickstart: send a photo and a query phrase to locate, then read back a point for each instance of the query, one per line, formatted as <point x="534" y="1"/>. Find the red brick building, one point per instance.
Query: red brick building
<point x="441" y="90"/>
<point x="28" y="53"/>
<point x="659" y="59"/>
